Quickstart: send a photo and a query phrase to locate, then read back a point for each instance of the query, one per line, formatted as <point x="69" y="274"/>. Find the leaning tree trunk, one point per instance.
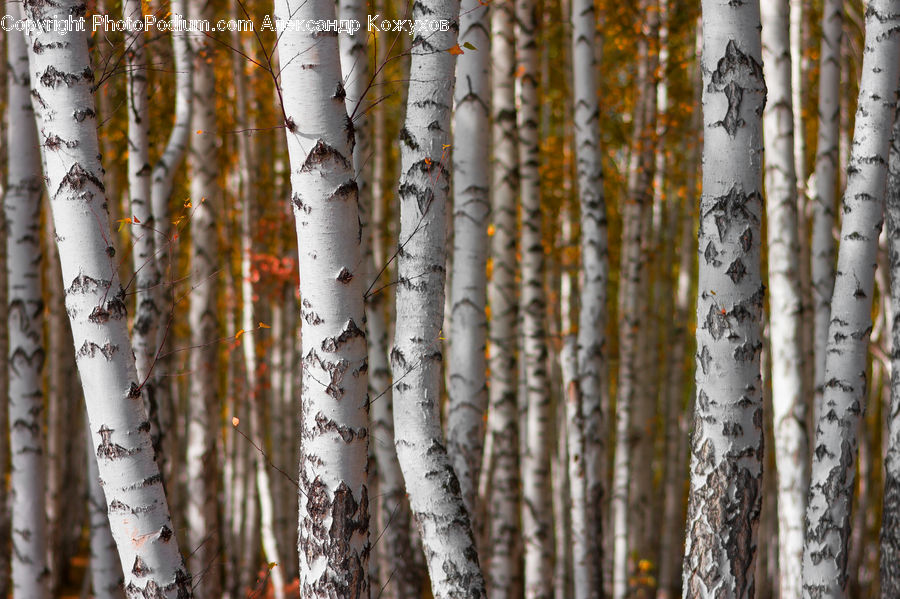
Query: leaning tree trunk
<point x="467" y="389"/>
<point x="537" y="515"/>
<point x="434" y="492"/>
<point x="24" y="313"/>
<point x="503" y="570"/>
<point x="833" y="465"/>
<point x="785" y="300"/>
<point x="138" y="511"/>
<point x="105" y="571"/>
<point x="591" y="360"/>
<point x="727" y="443"/>
<point x="203" y="414"/>
<point x="825" y="186"/>
<point x="334" y="505"/>
<point x="890" y="511"/>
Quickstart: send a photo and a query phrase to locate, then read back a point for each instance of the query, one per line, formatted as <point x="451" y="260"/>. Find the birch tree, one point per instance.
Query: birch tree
<point x="537" y="517"/>
<point x="834" y="454"/>
<point x="138" y="512"/>
<point x="106" y="574"/>
<point x="825" y="186"/>
<point x="785" y="323"/>
<point x="202" y="467"/>
<point x="24" y="313"/>
<point x="467" y="388"/>
<point x="503" y="570"/>
<point x="591" y="360"/>
<point x="334" y="517"/>
<point x="727" y="443"/>
<point x="890" y="510"/>
<point x="434" y="490"/>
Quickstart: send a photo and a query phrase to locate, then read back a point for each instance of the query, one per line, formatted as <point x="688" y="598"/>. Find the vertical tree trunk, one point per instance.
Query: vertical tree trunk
<point x="434" y="492"/>
<point x="890" y="511"/>
<point x="727" y="443"/>
<point x="24" y="314"/>
<point x="333" y="544"/>
<point x="591" y="367"/>
<point x="785" y="297"/>
<point x="106" y="573"/>
<point x="825" y="187"/>
<point x="138" y="511"/>
<point x="5" y="548"/>
<point x="537" y="515"/>
<point x="467" y="387"/>
<point x="504" y="569"/>
<point x="834" y="456"/>
<point x="202" y="428"/>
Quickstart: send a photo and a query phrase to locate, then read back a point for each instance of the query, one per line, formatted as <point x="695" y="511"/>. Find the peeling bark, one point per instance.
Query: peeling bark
<point x="826" y="553"/>
<point x="334" y="505"/>
<point x="727" y="443"/>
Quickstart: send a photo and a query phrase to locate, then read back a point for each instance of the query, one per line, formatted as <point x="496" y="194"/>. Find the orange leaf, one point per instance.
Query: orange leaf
<point x="238" y="334"/>
<point x="455" y="50"/>
<point x="263" y="325"/>
<point x="520" y="71"/>
<point x="235" y="421"/>
<point x="136" y="220"/>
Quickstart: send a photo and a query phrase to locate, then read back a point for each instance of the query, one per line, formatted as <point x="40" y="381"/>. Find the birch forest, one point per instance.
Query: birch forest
<point x="450" y="299"/>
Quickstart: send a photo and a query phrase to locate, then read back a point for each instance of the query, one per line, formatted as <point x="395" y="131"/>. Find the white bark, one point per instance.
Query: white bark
<point x="106" y="573"/>
<point x="24" y="314"/>
<point x="334" y="544"/>
<point x="503" y="570"/>
<point x="825" y="186"/>
<point x="727" y="442"/>
<point x="432" y="485"/>
<point x="537" y="517"/>
<point x="833" y="465"/>
<point x="202" y="426"/>
<point x="591" y="360"/>
<point x="467" y="387"/>
<point x="890" y="511"/>
<point x="788" y="402"/>
<point x="138" y="511"/>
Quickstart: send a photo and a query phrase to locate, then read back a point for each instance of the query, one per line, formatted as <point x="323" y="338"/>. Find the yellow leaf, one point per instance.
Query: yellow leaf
<point x="235" y="421"/>
<point x="238" y="334"/>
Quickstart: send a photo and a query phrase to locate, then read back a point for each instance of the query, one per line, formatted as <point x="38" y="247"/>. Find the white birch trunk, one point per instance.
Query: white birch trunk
<point x="432" y="485"/>
<point x="334" y="544"/>
<point x="202" y="425"/>
<point x="467" y="369"/>
<point x="503" y="570"/>
<point x="106" y="573"/>
<point x="138" y="511"/>
<point x="24" y="314"/>
<point x="825" y="186"/>
<point x="788" y="402"/>
<point x="727" y="443"/>
<point x="591" y="360"/>
<point x="537" y="515"/>
<point x="834" y="455"/>
<point x="890" y="511"/>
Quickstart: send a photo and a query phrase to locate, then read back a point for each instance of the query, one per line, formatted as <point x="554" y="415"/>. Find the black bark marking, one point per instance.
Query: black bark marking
<point x="345" y="276"/>
<point x="716" y="323"/>
<point x="736" y="271"/>
<point x="347" y="433"/>
<point x="710" y="254"/>
<point x="349" y="332"/>
<point x="321" y="153"/>
<point x="84" y="284"/>
<point x="139" y="568"/>
<point x="90" y="349"/>
<point x="736" y="73"/>
<point x="348" y="190"/>
<point x="77" y="178"/>
<point x="109" y="450"/>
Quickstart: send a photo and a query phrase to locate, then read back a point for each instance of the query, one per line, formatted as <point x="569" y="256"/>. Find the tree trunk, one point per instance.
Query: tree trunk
<point x="727" y="443"/>
<point x="826" y="183"/>
<point x="333" y="544"/>
<point x="467" y="387"/>
<point x="591" y="366"/>
<point x="834" y="456"/>
<point x="890" y="511"/>
<point x="202" y="429"/>
<point x="138" y="511"/>
<point x="24" y="314"/>
<point x="106" y="573"/>
<point x="785" y="297"/>
<point x="537" y="515"/>
<point x="434" y="492"/>
<point x="503" y="569"/>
